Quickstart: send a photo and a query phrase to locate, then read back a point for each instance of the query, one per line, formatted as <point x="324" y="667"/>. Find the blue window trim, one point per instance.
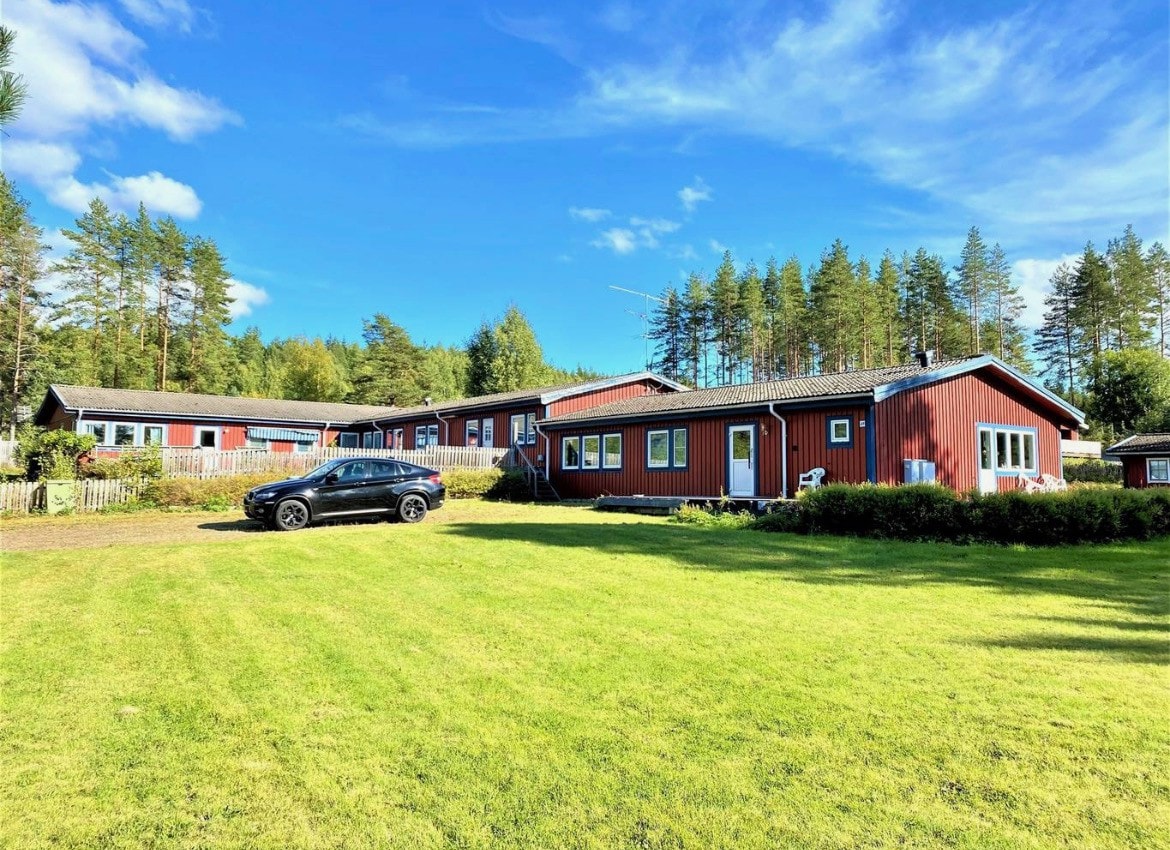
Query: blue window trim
<point x="755" y="457"/>
<point x="829" y="420"/>
<point x="996" y="427"/>
<point x="870" y="446"/>
<point x="671" y="466"/>
<point x="580" y="440"/>
<point x="585" y="468"/>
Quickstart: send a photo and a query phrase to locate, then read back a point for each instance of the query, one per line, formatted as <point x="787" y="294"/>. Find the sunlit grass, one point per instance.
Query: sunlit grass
<point x="505" y="676"/>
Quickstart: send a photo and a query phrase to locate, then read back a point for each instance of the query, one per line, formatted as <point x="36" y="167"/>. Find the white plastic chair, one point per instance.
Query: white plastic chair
<point x="811" y="479"/>
<point x="1053" y="484"/>
<point x="1031" y="485"/>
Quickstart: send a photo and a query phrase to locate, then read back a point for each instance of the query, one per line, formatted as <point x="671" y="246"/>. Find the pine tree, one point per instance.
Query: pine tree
<point x="209" y="307"/>
<point x="868" y="314"/>
<point x="1006" y="306"/>
<point x="21" y="301"/>
<point x="13" y="89"/>
<point x="971" y="286"/>
<point x="832" y="297"/>
<point x="668" y="331"/>
<point x="886" y="289"/>
<point x="171" y="289"/>
<point x="90" y="273"/>
<point x="1057" y="339"/>
<point x="1094" y="301"/>
<point x="724" y="308"/>
<point x="1158" y="261"/>
<point x="795" y="320"/>
<point x="773" y="320"/>
<point x="752" y="349"/>
<point x="696" y="313"/>
<point x="519" y="362"/>
<point x="1133" y="291"/>
<point x="481" y="352"/>
<point x="389" y="371"/>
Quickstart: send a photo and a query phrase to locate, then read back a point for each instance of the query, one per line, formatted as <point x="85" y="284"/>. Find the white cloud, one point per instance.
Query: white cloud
<point x="1032" y="277"/>
<point x="716" y="246"/>
<point x="50" y="166"/>
<point x="246" y="297"/>
<point x="617" y="239"/>
<point x="592" y="214"/>
<point x="162" y="13"/>
<point x="691" y="196"/>
<point x="655" y="225"/>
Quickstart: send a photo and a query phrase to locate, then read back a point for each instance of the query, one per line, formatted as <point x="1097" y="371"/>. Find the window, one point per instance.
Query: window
<point x="679" y="452"/>
<point x="516" y="429"/>
<point x="658" y="449"/>
<point x="372" y="440"/>
<point x="839" y="432"/>
<point x="384" y="469"/>
<point x="253" y="443"/>
<point x="303" y="447"/>
<point x="472" y="432"/>
<point x="206" y="438"/>
<point x="488" y="437"/>
<point x="426" y="435"/>
<point x="590" y="452"/>
<point x="1015" y="449"/>
<point x="352" y="472"/>
<point x="1158" y="470"/>
<point x="398" y="438"/>
<point x="530" y="429"/>
<point x="97" y="429"/>
<point x="611" y="457"/>
<point x="347" y="440"/>
<point x="152" y="435"/>
<point x="571" y="453"/>
<point x="124" y="434"/>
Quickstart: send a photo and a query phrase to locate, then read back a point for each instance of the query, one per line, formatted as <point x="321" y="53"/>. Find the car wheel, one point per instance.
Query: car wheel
<point x="412" y="508"/>
<point x="290" y="515"/>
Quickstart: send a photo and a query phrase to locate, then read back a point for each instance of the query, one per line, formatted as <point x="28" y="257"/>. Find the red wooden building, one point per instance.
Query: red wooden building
<point x="128" y="418"/>
<point x="1145" y="460"/>
<point x="971" y="423"/>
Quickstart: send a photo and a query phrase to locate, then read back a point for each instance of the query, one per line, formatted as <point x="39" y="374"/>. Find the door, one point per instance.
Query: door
<point x="347" y="493"/>
<point x="742" y="461"/>
<point x="987" y="483"/>
<point x="488" y="433"/>
<point x="384" y="480"/>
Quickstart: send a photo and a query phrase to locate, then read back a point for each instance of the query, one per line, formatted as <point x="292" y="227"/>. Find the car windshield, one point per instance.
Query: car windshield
<point x="321" y="470"/>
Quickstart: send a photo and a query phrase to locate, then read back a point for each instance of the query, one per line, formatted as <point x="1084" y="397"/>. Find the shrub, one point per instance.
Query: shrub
<point x="140" y="464"/>
<point x="52" y="454"/>
<point x="510" y="487"/>
<point x="929" y="512"/>
<point x="212" y="493"/>
<point x="471" y="483"/>
<point x="711" y="516"/>
<point x="1091" y="471"/>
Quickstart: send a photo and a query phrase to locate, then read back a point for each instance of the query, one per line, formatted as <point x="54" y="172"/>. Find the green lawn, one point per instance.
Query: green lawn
<point x="517" y="676"/>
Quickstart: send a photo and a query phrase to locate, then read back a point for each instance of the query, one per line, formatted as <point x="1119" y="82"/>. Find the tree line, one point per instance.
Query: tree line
<point x="138" y="303"/>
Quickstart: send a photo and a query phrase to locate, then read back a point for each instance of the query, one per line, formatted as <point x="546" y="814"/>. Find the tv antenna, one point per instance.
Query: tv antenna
<point x="645" y="316"/>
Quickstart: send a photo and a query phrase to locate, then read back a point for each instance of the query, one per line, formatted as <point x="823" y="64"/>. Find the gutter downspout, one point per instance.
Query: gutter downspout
<point x="381" y="432"/>
<point x="536" y="427"/>
<point x="783" y="449"/>
<point x="446" y="429"/>
<point x="325" y="434"/>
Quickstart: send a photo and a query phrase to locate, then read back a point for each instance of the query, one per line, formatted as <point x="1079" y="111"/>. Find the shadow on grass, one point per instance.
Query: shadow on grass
<point x="1129" y="577"/>
<point x="1134" y="650"/>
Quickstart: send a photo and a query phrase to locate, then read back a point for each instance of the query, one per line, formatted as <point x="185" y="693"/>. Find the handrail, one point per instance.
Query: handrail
<point x="533" y="475"/>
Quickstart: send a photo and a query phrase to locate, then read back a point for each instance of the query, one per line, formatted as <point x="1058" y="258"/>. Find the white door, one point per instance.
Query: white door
<point x="987" y="482"/>
<point x="488" y="433"/>
<point x="742" y="452"/>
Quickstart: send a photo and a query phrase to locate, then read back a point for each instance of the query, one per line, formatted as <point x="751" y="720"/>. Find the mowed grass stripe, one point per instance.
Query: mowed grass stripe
<point x="546" y="676"/>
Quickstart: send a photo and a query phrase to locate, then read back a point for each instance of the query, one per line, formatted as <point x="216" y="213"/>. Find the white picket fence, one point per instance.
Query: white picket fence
<point x="89" y="494"/>
<point x="209" y="463"/>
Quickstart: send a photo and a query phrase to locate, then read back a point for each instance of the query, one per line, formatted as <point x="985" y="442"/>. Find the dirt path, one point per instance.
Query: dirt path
<point x="93" y="531"/>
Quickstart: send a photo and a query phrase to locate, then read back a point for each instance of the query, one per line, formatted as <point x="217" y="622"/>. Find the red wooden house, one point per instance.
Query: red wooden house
<point x="127" y="418"/>
<point x="1145" y="460"/>
<point x="971" y="423"/>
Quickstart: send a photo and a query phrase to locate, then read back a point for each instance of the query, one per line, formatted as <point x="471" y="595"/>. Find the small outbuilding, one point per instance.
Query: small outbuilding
<point x="1145" y="460"/>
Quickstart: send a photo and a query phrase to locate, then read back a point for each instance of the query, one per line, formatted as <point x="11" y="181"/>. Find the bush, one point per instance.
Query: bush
<point x="140" y="464"/>
<point x="510" y="487"/>
<point x="710" y="516"/>
<point x="52" y="454"/>
<point x="930" y="512"/>
<point x="1090" y="471"/>
<point x="211" y="493"/>
<point x="471" y="483"/>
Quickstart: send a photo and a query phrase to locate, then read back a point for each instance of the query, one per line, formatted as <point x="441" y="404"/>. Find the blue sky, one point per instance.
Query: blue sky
<point x="438" y="161"/>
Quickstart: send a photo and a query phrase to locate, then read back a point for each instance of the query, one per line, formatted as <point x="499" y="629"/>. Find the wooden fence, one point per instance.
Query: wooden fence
<point x="89" y="494"/>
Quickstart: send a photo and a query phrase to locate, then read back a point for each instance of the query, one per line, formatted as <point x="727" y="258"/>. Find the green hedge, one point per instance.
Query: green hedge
<point x="1090" y="471"/>
<point x="930" y="512"/>
<point x="471" y="483"/>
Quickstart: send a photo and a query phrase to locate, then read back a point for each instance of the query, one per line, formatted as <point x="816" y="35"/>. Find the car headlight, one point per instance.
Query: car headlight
<point x="263" y="495"/>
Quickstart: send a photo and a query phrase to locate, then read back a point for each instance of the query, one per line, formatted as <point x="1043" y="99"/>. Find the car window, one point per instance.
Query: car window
<point x="385" y="469"/>
<point x="352" y="471"/>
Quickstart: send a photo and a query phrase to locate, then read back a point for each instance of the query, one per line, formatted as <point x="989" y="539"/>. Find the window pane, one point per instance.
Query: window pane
<point x="1029" y="451"/>
<point x="570" y="453"/>
<point x="613" y="451"/>
<point x="1017" y="450"/>
<point x="473" y="432"/>
<point x="1159" y="469"/>
<point x="1001" y="445"/>
<point x="349" y="441"/>
<point x="517" y="429"/>
<point x="591" y="452"/>
<point x="207" y="439"/>
<point x="659" y="453"/>
<point x="531" y="429"/>
<point x="680" y="447"/>
<point x="152" y="435"/>
<point x="98" y="429"/>
<point x="840" y="430"/>
<point x="985" y="441"/>
<point x="124" y="435"/>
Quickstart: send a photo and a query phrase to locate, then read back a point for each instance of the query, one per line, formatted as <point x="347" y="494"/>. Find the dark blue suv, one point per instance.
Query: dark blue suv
<point x="345" y="489"/>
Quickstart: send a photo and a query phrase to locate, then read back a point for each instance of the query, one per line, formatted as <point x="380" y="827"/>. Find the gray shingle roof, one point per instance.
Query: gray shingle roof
<point x="859" y="382"/>
<point x="105" y="400"/>
<point x="1141" y="444"/>
<point x="541" y="394"/>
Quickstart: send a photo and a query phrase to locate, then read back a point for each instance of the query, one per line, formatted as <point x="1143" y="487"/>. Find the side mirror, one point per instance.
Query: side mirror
<point x="331" y="478"/>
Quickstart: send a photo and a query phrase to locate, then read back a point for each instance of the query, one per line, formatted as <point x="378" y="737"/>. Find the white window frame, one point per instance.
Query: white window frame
<point x="88" y="428"/>
<point x="605" y="464"/>
<point x="674" y="461"/>
<point x="372" y="440"/>
<point x="517" y="432"/>
<point x="1016" y="443"/>
<point x="585" y="465"/>
<point x="425" y="431"/>
<point x="162" y="434"/>
<point x="1150" y="479"/>
<point x="253" y="443"/>
<point x="848" y="435"/>
<point x="530" y="429"/>
<point x="487" y="433"/>
<point x="300" y="447"/>
<point x="565" y="443"/>
<point x="203" y="429"/>
<point x="470" y="427"/>
<point x="650" y="463"/>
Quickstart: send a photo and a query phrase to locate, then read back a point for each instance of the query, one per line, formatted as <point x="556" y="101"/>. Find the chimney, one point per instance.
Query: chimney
<point x="427" y="401"/>
<point x="925" y="357"/>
